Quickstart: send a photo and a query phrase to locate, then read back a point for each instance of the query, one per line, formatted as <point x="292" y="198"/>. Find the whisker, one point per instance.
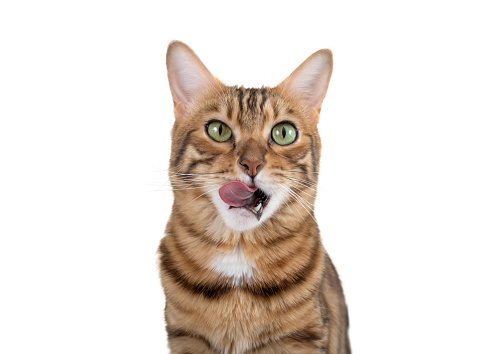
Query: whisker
<point x="211" y="190"/>
<point x="189" y="184"/>
<point x="186" y="180"/>
<point x="301" y="190"/>
<point x="308" y="211"/>
<point x="184" y="189"/>
<point x="297" y="199"/>
<point x="303" y="180"/>
<point x="301" y="171"/>
<point x="292" y="205"/>
<point x="189" y="180"/>
<point x="304" y="203"/>
<point x="304" y="185"/>
<point x="192" y="182"/>
<point x="195" y="174"/>
<point x="297" y="195"/>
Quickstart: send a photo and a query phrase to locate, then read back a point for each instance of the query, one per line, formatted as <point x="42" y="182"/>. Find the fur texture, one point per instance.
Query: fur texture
<point x="235" y="283"/>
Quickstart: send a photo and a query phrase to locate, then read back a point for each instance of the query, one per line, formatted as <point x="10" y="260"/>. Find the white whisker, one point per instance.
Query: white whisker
<point x="304" y="203"/>
<point x="211" y="190"/>
<point x="305" y="181"/>
<point x="292" y="205"/>
<point x="304" y="185"/>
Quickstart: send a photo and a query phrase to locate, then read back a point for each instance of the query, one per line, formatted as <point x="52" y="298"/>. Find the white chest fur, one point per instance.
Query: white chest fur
<point x="233" y="265"/>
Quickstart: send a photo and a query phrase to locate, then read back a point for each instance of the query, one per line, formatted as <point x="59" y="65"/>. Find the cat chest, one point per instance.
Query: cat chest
<point x="233" y="265"/>
<point x="237" y="322"/>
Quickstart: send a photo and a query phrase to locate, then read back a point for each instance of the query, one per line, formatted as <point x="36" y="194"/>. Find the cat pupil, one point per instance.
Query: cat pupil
<point x="283" y="132"/>
<point x="220" y="129"/>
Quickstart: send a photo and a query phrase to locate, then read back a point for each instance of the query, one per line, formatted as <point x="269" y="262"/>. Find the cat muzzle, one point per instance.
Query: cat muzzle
<point x="238" y="195"/>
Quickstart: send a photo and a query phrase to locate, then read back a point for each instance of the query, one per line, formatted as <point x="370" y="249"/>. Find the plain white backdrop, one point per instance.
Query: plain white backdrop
<point x="86" y="114"/>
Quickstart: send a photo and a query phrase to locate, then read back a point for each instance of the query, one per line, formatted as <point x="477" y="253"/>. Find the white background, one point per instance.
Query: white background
<point x="84" y="141"/>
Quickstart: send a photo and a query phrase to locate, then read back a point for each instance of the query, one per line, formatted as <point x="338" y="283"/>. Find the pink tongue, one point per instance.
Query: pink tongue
<point x="236" y="193"/>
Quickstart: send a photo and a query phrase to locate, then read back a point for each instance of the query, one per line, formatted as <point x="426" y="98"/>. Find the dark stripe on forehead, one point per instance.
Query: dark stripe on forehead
<point x="264" y="98"/>
<point x="229" y="110"/>
<point x="252" y="100"/>
<point x="240" y="94"/>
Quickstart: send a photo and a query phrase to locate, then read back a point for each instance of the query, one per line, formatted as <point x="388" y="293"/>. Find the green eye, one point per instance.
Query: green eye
<point x="219" y="131"/>
<point x="284" y="133"/>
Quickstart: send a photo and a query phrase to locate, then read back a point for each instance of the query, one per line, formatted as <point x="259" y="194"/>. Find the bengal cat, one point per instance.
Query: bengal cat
<point x="242" y="264"/>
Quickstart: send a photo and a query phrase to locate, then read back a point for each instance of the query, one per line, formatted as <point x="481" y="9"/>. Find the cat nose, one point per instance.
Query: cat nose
<point x="253" y="165"/>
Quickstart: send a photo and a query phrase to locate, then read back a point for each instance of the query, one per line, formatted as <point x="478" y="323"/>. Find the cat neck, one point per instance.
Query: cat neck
<point x="205" y="224"/>
<point x="216" y="250"/>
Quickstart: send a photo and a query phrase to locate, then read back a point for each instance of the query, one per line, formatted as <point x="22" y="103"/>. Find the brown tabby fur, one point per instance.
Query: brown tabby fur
<point x="294" y="302"/>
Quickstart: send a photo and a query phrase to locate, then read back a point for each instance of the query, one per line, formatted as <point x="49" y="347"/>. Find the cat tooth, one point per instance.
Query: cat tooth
<point x="258" y="206"/>
<point x="259" y="214"/>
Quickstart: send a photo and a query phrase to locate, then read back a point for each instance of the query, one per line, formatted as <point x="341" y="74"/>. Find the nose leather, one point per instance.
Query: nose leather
<point x="252" y="166"/>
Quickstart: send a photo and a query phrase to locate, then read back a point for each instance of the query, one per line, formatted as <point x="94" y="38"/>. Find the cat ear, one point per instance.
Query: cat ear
<point x="309" y="81"/>
<point x="188" y="77"/>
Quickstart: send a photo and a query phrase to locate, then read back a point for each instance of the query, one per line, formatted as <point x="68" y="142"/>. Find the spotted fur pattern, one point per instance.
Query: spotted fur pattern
<point x="233" y="288"/>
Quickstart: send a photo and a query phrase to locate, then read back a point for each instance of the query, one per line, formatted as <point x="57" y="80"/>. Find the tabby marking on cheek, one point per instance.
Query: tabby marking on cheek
<point x="199" y="162"/>
<point x="182" y="147"/>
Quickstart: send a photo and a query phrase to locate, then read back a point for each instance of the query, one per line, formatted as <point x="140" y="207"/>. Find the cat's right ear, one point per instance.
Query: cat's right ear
<point x="188" y="77"/>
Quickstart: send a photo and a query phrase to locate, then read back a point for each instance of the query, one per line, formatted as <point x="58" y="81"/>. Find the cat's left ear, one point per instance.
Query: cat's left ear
<point x="188" y="77"/>
<point x="309" y="82"/>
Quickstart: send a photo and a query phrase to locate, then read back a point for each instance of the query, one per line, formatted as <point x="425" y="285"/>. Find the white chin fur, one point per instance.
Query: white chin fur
<point x="241" y="219"/>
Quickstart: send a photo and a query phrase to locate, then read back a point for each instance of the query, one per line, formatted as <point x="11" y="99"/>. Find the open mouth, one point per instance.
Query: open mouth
<point x="257" y="204"/>
<point x="238" y="195"/>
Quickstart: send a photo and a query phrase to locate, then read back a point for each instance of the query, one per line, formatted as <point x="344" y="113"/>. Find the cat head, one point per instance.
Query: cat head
<point x="245" y="156"/>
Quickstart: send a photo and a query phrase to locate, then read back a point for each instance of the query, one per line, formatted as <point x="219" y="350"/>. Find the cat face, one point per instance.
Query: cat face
<point x="251" y="155"/>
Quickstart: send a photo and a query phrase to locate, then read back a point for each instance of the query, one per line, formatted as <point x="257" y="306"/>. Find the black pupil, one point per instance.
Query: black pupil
<point x="220" y="129"/>
<point x="283" y="132"/>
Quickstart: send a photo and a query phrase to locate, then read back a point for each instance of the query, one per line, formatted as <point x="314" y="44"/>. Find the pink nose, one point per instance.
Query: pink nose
<point x="253" y="166"/>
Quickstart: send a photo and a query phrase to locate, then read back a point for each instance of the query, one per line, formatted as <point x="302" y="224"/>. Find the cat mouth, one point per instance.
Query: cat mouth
<point x="238" y="195"/>
<point x="257" y="204"/>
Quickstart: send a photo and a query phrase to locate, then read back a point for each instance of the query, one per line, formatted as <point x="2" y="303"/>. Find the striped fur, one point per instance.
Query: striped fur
<point x="280" y="292"/>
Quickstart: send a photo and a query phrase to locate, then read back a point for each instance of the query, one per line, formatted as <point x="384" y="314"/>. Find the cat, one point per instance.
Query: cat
<point x="241" y="263"/>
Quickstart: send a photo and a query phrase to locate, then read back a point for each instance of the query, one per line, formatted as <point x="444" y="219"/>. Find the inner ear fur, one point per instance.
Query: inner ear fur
<point x="309" y="82"/>
<point x="188" y="77"/>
